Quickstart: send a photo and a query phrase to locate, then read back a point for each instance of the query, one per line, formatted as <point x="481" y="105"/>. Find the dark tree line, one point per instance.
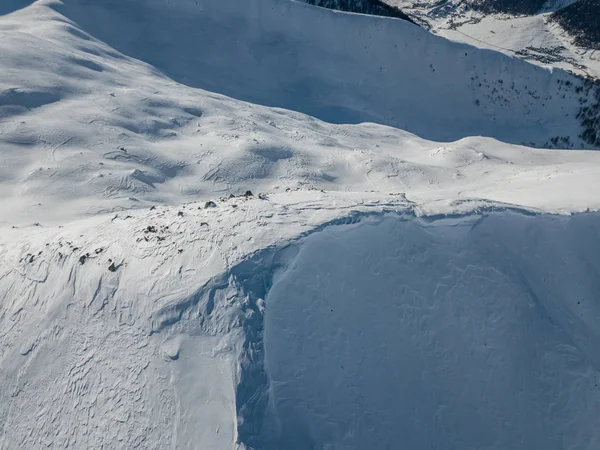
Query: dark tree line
<point x="371" y="7"/>
<point x="582" y="20"/>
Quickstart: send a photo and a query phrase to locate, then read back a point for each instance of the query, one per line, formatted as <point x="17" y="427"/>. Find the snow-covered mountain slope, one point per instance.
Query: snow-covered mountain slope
<point x="306" y="320"/>
<point x="342" y="68"/>
<point x="145" y="353"/>
<point x="81" y="121"/>
<point x="480" y="336"/>
<point x="142" y="307"/>
<point x="580" y="19"/>
<point x="568" y="43"/>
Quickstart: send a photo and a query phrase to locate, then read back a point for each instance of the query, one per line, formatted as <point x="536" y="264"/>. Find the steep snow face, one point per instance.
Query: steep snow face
<point x="342" y="68"/>
<point x="147" y="328"/>
<point x="303" y="321"/>
<point x="471" y="332"/>
<point x="132" y="331"/>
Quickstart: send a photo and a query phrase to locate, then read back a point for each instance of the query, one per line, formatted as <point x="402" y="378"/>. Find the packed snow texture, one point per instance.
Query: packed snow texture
<point x="148" y="354"/>
<point x="301" y="322"/>
<point x="134" y="313"/>
<point x="86" y="129"/>
<point x="476" y="332"/>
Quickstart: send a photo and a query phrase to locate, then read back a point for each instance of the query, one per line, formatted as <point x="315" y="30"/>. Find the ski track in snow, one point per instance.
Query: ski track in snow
<point x="81" y="121"/>
<point x="132" y="312"/>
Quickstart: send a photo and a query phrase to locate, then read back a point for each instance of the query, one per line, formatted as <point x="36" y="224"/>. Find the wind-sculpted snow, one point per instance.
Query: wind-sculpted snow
<point x="307" y="319"/>
<point x="171" y="259"/>
<point x="469" y="332"/>
<point x="341" y="68"/>
<point x="129" y="331"/>
<point x="85" y="129"/>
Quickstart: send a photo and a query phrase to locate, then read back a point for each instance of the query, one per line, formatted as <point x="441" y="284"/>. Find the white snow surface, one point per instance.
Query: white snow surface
<point x="534" y="38"/>
<point x="85" y="129"/>
<point x="476" y="332"/>
<point x="134" y="314"/>
<point x="147" y="356"/>
<point x="381" y="329"/>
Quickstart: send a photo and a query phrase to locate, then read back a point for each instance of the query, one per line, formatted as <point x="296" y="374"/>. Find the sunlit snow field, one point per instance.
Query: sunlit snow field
<point x="266" y="225"/>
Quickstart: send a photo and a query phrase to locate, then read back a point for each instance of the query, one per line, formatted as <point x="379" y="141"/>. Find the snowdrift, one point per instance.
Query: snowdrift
<point x="373" y="296"/>
<point x="87" y="130"/>
<point x="341" y="68"/>
<point x="470" y="332"/>
<point x="354" y="326"/>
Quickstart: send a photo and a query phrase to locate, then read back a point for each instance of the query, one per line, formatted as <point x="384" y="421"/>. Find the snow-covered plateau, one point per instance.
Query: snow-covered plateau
<point x="262" y="224"/>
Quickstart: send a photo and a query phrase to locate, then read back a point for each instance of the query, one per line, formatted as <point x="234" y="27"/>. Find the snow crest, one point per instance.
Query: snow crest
<point x="202" y="328"/>
<point x="166" y="249"/>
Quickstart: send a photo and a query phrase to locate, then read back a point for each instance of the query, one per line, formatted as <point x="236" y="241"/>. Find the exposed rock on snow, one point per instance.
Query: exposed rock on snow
<point x="176" y="349"/>
<point x="156" y="302"/>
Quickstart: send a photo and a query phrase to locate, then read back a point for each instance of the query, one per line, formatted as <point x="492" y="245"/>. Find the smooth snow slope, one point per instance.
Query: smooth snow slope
<point x="342" y="68"/>
<point x="470" y="332"/>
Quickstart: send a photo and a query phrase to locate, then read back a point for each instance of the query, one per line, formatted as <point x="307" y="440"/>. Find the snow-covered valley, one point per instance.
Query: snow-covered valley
<point x="268" y="225"/>
<point x="534" y="34"/>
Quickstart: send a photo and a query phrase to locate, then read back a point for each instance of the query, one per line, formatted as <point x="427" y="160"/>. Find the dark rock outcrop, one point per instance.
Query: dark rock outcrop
<point x="516" y="7"/>
<point x="371" y="7"/>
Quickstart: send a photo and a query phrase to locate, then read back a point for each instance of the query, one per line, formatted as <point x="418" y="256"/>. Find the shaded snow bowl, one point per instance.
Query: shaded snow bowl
<point x="452" y="333"/>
